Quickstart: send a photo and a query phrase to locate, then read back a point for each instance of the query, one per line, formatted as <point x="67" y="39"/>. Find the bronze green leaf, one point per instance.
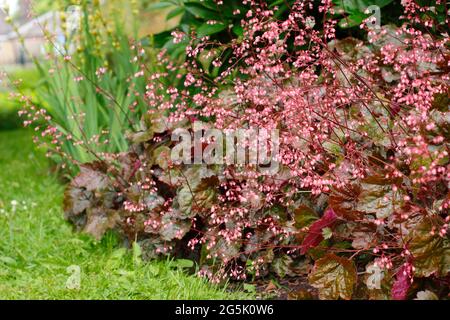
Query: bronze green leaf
<point x="334" y="277"/>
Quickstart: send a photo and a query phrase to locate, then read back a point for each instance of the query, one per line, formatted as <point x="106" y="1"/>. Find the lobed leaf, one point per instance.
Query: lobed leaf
<point x="334" y="277"/>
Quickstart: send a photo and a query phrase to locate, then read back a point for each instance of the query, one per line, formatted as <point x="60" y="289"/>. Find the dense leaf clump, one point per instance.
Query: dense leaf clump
<point x="360" y="201"/>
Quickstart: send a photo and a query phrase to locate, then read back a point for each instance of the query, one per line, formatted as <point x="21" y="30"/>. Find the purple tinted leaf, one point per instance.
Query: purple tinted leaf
<point x="315" y="235"/>
<point x="402" y="283"/>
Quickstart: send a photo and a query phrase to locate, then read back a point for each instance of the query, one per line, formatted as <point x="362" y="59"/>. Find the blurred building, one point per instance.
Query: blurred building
<point x="29" y="28"/>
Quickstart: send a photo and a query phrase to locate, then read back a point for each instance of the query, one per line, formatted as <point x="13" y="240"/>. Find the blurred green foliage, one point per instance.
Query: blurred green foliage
<point x="26" y="80"/>
<point x="43" y="6"/>
<point x="354" y="11"/>
<point x="90" y="85"/>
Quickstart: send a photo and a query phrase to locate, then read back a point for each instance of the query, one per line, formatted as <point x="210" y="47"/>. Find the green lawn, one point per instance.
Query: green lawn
<point x="37" y="246"/>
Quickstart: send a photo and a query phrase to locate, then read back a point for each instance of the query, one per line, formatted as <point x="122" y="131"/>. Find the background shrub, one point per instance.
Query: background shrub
<point x="25" y="80"/>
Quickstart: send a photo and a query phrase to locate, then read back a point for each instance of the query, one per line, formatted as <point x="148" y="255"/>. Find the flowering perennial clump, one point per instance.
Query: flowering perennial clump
<point x="360" y="203"/>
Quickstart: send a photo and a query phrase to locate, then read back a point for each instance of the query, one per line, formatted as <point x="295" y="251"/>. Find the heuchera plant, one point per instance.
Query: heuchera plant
<point x="360" y="204"/>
